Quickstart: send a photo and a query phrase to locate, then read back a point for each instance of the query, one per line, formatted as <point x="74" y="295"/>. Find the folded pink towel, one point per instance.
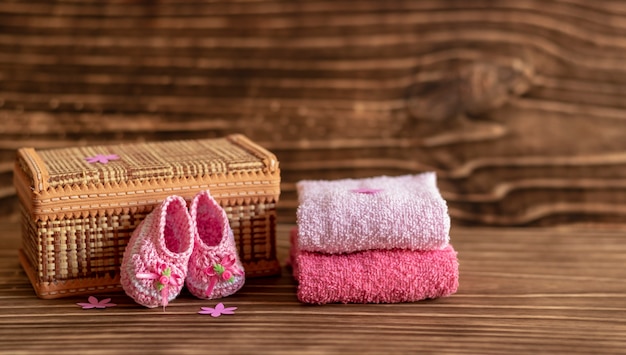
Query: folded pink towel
<point x="374" y="276"/>
<point x="344" y="216"/>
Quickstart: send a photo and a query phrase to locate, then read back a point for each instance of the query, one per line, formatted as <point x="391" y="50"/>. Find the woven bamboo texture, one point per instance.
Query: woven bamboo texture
<point x="78" y="216"/>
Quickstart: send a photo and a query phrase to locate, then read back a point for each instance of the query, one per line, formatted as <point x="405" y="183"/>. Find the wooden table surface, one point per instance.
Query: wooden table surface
<point x="522" y="291"/>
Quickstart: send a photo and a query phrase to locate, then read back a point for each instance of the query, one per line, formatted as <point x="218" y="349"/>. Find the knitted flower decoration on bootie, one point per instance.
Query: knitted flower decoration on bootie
<point x="155" y="261"/>
<point x="215" y="270"/>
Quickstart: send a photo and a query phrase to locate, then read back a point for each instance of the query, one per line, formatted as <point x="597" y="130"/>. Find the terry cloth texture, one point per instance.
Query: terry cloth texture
<point x="156" y="258"/>
<point x="349" y="215"/>
<point x="374" y="276"/>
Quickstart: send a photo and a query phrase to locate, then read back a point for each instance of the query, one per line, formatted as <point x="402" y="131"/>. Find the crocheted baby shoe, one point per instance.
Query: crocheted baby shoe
<point x="215" y="270"/>
<point x="155" y="261"/>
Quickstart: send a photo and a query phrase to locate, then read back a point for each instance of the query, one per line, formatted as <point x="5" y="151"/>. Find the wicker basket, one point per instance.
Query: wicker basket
<point x="78" y="215"/>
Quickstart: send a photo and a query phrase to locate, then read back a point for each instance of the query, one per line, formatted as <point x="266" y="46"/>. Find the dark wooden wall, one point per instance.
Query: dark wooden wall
<point x="518" y="105"/>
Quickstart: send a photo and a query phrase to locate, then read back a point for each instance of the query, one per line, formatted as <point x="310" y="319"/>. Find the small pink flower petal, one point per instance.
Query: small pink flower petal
<point x="206" y="310"/>
<point x="229" y="310"/>
<point x="86" y="305"/>
<point x="94" y="303"/>
<point x="102" y="158"/>
<point x="218" y="310"/>
<point x="106" y="303"/>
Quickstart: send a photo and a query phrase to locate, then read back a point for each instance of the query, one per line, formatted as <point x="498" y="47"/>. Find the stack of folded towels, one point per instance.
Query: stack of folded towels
<point x="374" y="240"/>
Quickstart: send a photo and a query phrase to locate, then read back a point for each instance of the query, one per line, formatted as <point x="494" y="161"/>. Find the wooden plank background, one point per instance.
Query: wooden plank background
<point x="518" y="105"/>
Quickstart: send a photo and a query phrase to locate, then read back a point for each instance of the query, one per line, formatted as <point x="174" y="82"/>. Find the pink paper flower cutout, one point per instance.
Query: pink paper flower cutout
<point x="102" y="158"/>
<point x="218" y="310"/>
<point x="366" y="191"/>
<point x="94" y="303"/>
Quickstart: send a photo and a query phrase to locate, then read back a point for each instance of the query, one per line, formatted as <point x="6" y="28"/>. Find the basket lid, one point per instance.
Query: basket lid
<point x="71" y="179"/>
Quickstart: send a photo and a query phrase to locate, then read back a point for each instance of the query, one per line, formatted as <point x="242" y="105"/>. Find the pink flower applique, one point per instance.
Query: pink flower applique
<point x="94" y="303"/>
<point x="225" y="270"/>
<point x="366" y="191"/>
<point x="102" y="158"/>
<point x="164" y="278"/>
<point x="218" y="310"/>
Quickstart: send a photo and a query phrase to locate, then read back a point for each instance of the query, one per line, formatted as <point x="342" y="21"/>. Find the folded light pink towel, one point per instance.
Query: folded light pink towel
<point x="344" y="216"/>
<point x="374" y="276"/>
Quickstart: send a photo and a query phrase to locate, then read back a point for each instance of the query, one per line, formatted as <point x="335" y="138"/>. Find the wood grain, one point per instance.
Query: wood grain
<point x="519" y="106"/>
<point x="528" y="290"/>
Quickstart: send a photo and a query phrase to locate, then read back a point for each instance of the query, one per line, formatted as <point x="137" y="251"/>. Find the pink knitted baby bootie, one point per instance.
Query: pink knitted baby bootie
<point x="155" y="261"/>
<point x="215" y="270"/>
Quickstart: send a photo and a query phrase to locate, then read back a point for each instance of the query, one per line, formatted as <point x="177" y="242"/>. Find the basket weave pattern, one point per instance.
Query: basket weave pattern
<point x="78" y="217"/>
